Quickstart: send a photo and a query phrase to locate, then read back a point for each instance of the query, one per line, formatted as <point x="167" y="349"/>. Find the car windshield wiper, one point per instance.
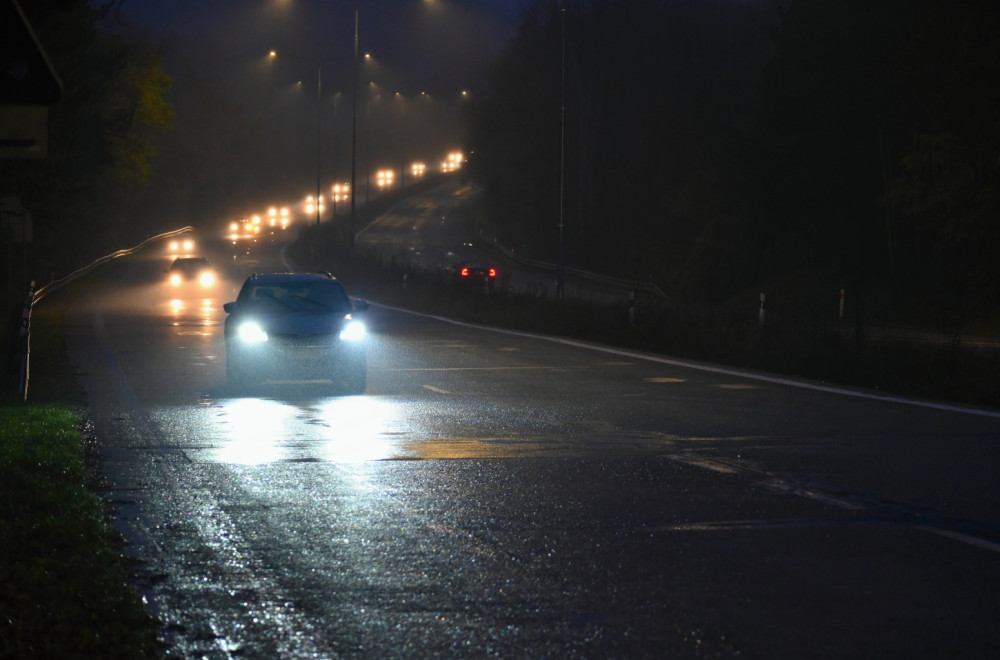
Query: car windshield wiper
<point x="270" y="296"/>
<point x="310" y="300"/>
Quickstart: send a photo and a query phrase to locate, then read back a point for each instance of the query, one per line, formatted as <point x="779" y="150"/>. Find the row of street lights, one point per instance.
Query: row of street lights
<point x="385" y="178"/>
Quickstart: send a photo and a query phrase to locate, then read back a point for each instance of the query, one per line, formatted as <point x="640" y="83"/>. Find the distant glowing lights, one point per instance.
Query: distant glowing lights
<point x="453" y="161"/>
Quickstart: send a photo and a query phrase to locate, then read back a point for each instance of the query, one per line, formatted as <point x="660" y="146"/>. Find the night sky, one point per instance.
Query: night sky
<point x="437" y="46"/>
<point x="424" y="54"/>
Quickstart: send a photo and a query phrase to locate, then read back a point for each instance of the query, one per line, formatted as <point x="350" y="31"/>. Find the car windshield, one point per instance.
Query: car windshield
<point x="190" y="264"/>
<point x="296" y="297"/>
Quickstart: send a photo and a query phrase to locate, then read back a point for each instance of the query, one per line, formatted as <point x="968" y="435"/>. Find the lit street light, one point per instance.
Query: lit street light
<point x="354" y="128"/>
<point x="273" y="54"/>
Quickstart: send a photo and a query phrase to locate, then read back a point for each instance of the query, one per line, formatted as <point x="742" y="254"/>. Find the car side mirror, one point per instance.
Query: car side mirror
<point x="230" y="307"/>
<point x="360" y="305"/>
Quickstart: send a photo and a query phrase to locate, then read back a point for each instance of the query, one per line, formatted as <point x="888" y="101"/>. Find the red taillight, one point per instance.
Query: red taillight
<point x="464" y="272"/>
<point x="493" y="272"/>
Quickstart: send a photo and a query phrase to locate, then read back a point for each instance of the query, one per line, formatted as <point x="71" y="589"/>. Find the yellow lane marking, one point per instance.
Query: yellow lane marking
<point x="483" y="369"/>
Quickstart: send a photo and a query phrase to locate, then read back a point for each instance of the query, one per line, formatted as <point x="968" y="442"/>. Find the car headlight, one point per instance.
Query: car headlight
<point x="251" y="333"/>
<point x="175" y="279"/>
<point x="207" y="278"/>
<point x="353" y="331"/>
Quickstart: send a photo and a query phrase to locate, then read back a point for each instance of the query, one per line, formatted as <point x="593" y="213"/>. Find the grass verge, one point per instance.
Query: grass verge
<point x="66" y="589"/>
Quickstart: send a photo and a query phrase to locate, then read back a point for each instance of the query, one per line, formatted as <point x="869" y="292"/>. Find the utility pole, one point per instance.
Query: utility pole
<point x="561" y="253"/>
<point x="319" y="135"/>
<point x="354" y="132"/>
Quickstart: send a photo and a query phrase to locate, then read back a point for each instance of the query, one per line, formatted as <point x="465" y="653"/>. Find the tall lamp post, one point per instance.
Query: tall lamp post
<point x="319" y="137"/>
<point x="561" y="250"/>
<point x="354" y="130"/>
<point x="319" y="130"/>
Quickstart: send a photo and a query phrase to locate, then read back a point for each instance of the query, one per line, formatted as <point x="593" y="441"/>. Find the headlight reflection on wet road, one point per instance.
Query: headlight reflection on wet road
<point x="255" y="431"/>
<point x="354" y="429"/>
<point x="201" y="312"/>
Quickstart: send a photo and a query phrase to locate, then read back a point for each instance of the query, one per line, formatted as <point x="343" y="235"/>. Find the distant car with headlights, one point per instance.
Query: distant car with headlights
<point x="481" y="276"/>
<point x="191" y="271"/>
<point x="181" y="246"/>
<point x="295" y="326"/>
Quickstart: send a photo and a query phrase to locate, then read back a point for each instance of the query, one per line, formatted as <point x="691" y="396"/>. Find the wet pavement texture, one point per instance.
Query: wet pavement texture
<point x="494" y="494"/>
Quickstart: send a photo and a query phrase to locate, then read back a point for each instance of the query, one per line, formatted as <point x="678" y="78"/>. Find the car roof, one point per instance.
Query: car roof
<point x="283" y="278"/>
<point x="190" y="260"/>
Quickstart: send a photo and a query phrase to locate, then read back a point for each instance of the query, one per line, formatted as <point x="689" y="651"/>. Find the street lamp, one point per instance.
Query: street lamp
<point x="401" y="131"/>
<point x="319" y="136"/>
<point x="561" y="248"/>
<point x="273" y="54"/>
<point x="354" y="129"/>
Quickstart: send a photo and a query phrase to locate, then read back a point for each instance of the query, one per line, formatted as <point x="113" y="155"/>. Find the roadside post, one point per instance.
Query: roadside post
<point x="760" y="314"/>
<point x="25" y="341"/>
<point x="631" y="309"/>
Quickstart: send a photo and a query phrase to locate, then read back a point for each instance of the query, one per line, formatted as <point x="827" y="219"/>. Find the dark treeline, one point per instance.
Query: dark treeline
<point x="716" y="147"/>
<point x="133" y="150"/>
<point x="85" y="196"/>
<point x="721" y="146"/>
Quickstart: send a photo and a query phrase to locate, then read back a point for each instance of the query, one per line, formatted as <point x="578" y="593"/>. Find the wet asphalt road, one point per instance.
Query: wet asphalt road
<point x="426" y="232"/>
<point x="502" y="495"/>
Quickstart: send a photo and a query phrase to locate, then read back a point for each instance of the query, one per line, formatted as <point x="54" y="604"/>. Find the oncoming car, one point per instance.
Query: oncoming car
<point x="191" y="270"/>
<point x="181" y="246"/>
<point x="295" y="326"/>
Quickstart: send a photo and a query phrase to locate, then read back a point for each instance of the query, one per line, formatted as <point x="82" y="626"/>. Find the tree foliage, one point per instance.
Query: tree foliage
<point x="655" y="94"/>
<point x="721" y="144"/>
<point x="84" y="194"/>
<point x="880" y="141"/>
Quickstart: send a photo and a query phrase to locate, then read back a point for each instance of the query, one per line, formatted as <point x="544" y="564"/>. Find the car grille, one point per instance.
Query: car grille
<point x="294" y="342"/>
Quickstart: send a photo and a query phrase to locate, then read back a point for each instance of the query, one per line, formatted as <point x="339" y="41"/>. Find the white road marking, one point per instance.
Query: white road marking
<point x="727" y="371"/>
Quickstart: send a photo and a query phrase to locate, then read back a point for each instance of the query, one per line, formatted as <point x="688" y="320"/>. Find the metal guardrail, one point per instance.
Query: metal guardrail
<point x="34" y="296"/>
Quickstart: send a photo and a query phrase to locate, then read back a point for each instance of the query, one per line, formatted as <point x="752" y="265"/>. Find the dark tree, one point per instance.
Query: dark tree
<point x="878" y="155"/>
<point x="657" y="97"/>
<point x="102" y="140"/>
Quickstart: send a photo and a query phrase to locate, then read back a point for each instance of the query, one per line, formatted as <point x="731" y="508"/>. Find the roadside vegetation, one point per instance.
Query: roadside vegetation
<point x="66" y="590"/>
<point x="817" y="144"/>
<point x="796" y="341"/>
